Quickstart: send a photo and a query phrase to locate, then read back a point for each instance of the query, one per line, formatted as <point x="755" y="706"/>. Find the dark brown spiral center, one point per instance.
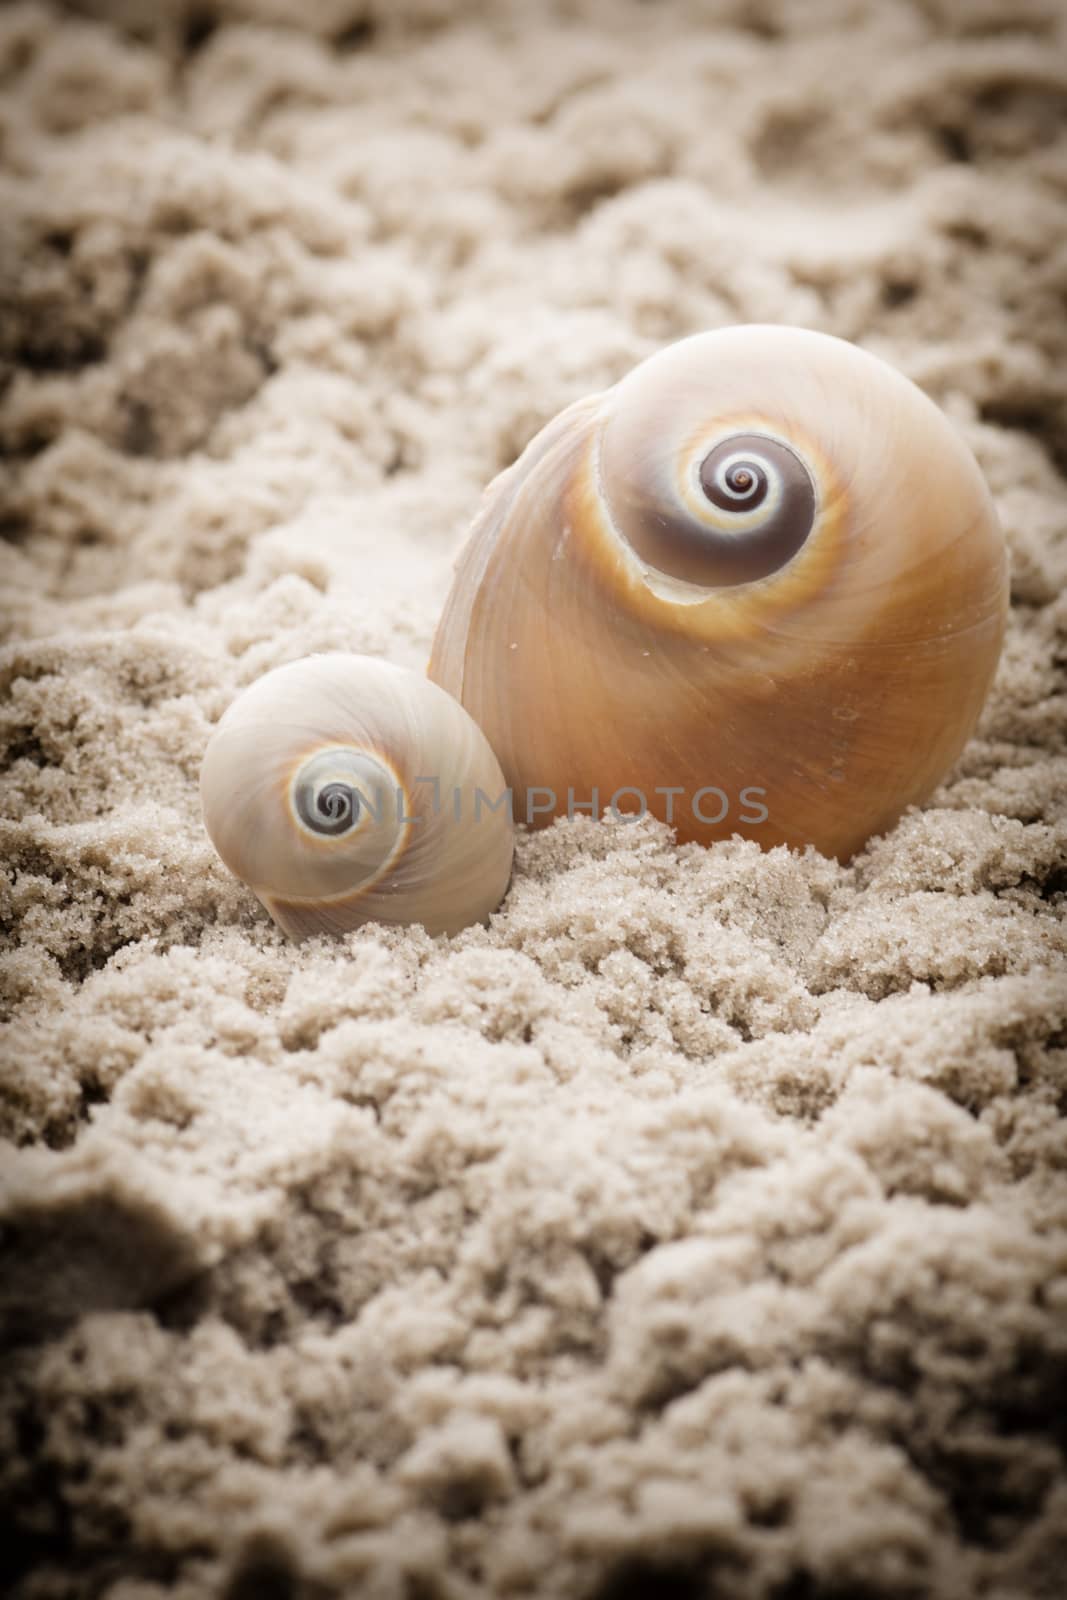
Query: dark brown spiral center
<point x="330" y="810"/>
<point x="762" y="504"/>
<point x="335" y="791"/>
<point x="769" y="488"/>
<point x="732" y="480"/>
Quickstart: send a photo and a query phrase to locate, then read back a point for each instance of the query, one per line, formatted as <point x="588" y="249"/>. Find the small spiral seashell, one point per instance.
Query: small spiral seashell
<point x="345" y="790"/>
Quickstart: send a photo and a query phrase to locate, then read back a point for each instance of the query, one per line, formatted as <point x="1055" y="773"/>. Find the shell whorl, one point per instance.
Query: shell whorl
<point x="345" y="790"/>
<point x="613" y="624"/>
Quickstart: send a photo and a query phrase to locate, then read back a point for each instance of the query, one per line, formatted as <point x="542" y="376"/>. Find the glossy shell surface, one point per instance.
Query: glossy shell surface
<point x="345" y="790"/>
<point x="763" y="571"/>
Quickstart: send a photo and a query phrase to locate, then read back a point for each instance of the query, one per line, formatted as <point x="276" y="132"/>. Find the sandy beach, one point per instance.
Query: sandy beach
<point x="697" y="1228"/>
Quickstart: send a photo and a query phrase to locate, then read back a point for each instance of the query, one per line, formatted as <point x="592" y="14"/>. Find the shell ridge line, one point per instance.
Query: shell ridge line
<point x="483" y="541"/>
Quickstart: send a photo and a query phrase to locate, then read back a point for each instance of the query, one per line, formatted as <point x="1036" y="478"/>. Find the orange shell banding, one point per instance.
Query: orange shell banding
<point x="840" y="685"/>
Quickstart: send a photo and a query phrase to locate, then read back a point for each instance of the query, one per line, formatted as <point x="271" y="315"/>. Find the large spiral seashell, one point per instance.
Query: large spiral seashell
<point x="758" y="586"/>
<point x="345" y="790"/>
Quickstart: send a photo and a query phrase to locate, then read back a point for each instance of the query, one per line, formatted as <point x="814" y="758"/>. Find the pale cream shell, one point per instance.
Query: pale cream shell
<point x="436" y="851"/>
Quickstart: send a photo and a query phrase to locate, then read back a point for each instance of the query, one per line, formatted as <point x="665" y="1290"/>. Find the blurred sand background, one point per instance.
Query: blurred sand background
<point x="699" y="1228"/>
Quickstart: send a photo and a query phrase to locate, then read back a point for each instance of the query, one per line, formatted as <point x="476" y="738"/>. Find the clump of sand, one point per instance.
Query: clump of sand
<point x="700" y="1226"/>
